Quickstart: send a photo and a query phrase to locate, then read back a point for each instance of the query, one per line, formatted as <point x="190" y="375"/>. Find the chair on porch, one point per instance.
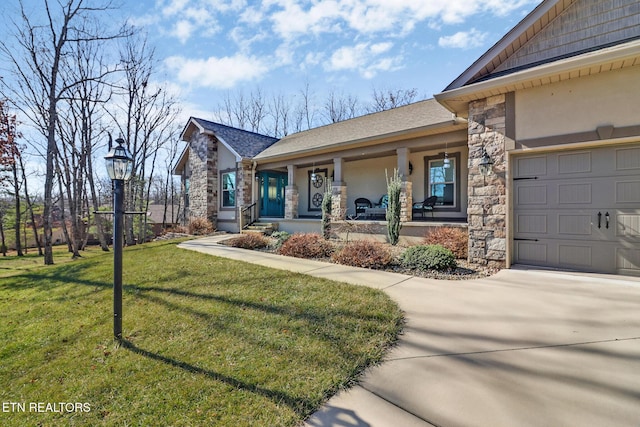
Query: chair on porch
<point x="426" y="205"/>
<point x="361" y="205"/>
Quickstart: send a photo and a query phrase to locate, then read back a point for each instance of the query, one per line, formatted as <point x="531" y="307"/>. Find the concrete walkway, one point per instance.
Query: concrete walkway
<point x="521" y="348"/>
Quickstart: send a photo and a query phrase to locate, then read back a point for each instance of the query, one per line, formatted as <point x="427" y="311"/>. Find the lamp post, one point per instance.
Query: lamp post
<point x="119" y="163"/>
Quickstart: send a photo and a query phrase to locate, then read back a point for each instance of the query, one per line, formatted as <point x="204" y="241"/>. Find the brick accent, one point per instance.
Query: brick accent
<point x="203" y="164"/>
<point x="243" y="198"/>
<point x="487" y="208"/>
<point x="406" y="201"/>
<point x="338" y="201"/>
<point x="291" y="199"/>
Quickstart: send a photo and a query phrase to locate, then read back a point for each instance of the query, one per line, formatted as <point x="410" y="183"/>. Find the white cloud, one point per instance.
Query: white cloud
<point x="217" y="73"/>
<point x="463" y="39"/>
<point x="364" y="58"/>
<point x="292" y="18"/>
<point x="183" y="30"/>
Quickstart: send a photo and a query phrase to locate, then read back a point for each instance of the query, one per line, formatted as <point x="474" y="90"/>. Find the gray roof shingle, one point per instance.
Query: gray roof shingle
<point x="423" y="114"/>
<point x="246" y="144"/>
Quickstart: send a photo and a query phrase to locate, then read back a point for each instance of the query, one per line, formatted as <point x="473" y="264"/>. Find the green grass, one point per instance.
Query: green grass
<point x="208" y="341"/>
<point x="31" y="261"/>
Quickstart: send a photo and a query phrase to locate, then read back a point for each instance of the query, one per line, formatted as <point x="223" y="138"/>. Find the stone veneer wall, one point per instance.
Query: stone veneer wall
<point x="406" y="201"/>
<point x="291" y="200"/>
<point x="243" y="179"/>
<point x="338" y="201"/>
<point x="203" y="164"/>
<point x="487" y="206"/>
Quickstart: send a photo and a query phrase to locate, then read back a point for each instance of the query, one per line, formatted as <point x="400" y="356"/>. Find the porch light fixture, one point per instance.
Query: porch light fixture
<point x="486" y="164"/>
<point x="119" y="163"/>
<point x="446" y="163"/>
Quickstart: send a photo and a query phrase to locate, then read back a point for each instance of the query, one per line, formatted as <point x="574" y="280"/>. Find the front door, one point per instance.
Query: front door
<point x="272" y="186"/>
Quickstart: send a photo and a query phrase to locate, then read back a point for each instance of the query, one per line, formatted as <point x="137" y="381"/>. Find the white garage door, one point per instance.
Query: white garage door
<point x="579" y="210"/>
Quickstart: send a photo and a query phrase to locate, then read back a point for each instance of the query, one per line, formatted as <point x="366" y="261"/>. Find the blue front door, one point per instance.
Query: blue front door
<point x="272" y="186"/>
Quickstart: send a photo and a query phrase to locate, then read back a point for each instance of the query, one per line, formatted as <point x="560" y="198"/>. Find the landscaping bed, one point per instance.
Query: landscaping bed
<point x="372" y="254"/>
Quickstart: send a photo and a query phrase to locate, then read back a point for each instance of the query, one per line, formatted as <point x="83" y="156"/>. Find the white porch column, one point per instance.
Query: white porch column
<point x="338" y="163"/>
<point x="403" y="163"/>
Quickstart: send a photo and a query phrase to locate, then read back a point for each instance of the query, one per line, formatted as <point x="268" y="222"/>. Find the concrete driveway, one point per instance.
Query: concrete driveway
<point x="521" y="348"/>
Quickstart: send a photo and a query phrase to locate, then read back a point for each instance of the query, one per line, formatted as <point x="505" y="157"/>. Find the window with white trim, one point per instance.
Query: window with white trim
<point x="228" y="189"/>
<point x="444" y="182"/>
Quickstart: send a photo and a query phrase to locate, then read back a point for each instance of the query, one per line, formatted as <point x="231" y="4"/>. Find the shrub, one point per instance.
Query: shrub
<point x="326" y="215"/>
<point x="394" y="188"/>
<point x="250" y="241"/>
<point x="453" y="238"/>
<point x="280" y="237"/>
<point x="200" y="226"/>
<point x="428" y="257"/>
<point x="181" y="229"/>
<point x="363" y="253"/>
<point x="306" y="245"/>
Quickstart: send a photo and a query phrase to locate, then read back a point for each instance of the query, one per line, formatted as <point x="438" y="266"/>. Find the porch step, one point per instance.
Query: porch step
<point x="261" y="227"/>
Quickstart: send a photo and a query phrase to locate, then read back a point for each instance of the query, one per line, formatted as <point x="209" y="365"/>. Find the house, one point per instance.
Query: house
<point x="541" y="135"/>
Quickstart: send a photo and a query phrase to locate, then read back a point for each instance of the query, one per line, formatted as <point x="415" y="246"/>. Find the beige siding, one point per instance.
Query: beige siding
<point x="584" y="25"/>
<point x="579" y="105"/>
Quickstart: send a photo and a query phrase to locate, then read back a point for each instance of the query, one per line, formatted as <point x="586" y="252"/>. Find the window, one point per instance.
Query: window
<point x="444" y="182"/>
<point x="228" y="189"/>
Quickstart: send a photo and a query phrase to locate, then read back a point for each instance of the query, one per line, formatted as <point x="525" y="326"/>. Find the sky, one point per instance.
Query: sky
<point x="212" y="48"/>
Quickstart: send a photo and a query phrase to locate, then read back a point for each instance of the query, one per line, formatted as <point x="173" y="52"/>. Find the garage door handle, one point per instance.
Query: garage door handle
<point x="599" y="219"/>
<point x="606" y="218"/>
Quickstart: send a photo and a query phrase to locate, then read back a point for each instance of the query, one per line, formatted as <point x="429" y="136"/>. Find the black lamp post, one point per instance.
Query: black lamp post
<point x="119" y="163"/>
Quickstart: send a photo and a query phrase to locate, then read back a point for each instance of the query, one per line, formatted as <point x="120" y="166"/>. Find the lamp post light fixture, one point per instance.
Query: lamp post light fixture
<point x="119" y="163"/>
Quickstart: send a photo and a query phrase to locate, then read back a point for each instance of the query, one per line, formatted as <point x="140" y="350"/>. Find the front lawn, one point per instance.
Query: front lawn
<point x="208" y="341"/>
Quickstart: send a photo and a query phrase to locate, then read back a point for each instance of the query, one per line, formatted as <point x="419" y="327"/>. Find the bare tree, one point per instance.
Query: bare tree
<point x="280" y="112"/>
<point x="340" y="107"/>
<point x="9" y="154"/>
<point x="386" y="99"/>
<point x="40" y="62"/>
<point x="305" y="113"/>
<point x="151" y="113"/>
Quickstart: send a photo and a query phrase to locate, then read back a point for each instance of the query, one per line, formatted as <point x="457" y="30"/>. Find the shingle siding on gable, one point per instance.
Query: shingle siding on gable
<point x="585" y="25"/>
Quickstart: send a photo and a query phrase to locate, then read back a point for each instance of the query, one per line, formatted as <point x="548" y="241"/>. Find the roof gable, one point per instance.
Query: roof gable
<point x="244" y="144"/>
<point x="555" y="30"/>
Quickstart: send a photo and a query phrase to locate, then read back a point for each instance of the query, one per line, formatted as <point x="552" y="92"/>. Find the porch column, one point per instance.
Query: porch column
<point x="338" y="192"/>
<point x="406" y="201"/>
<point x="291" y="195"/>
<point x="403" y="163"/>
<point x="406" y="196"/>
<point x="487" y="208"/>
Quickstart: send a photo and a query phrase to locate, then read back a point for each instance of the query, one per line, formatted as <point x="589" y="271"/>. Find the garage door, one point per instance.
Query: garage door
<point x="579" y="210"/>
